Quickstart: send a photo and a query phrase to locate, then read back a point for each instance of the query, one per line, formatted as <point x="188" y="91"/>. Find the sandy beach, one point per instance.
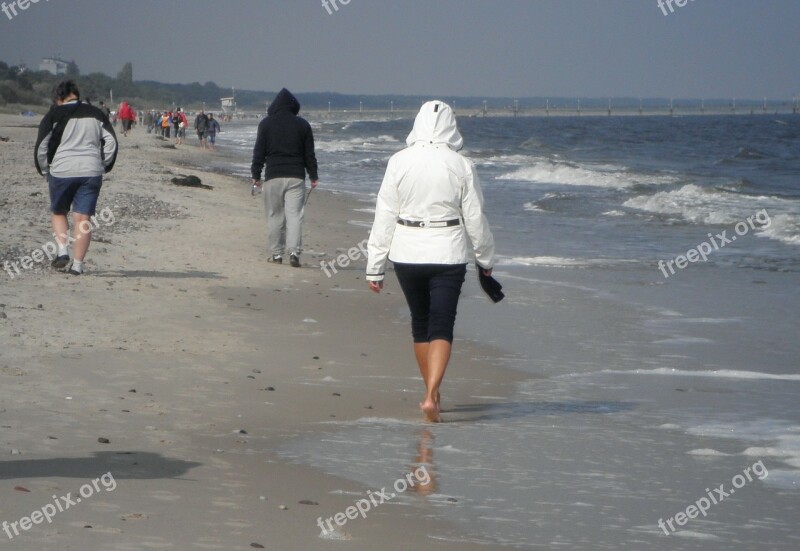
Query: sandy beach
<point x="182" y="360"/>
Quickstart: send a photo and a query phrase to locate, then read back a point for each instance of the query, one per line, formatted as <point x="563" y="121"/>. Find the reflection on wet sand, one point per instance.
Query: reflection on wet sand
<point x="425" y="458"/>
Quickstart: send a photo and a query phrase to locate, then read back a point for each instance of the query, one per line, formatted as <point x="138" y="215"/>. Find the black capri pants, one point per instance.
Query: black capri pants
<point x="432" y="292"/>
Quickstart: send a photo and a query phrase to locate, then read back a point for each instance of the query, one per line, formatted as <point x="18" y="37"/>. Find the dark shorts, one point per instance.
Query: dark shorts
<point x="126" y="125"/>
<point x="201" y="134"/>
<point x="432" y="292"/>
<point x="78" y="193"/>
<point x="212" y="137"/>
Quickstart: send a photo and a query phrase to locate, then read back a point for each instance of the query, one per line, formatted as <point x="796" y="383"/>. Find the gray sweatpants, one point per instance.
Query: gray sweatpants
<point x="284" y="199"/>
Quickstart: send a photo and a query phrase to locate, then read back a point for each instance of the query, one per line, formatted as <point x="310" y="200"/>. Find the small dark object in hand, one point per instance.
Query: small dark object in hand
<point x="490" y="285"/>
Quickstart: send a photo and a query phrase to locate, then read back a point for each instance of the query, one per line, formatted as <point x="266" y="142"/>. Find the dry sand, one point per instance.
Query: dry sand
<point x="195" y="358"/>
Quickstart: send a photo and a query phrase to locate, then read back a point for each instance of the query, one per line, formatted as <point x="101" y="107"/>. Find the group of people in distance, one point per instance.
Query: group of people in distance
<point x="168" y="123"/>
<point x="429" y="216"/>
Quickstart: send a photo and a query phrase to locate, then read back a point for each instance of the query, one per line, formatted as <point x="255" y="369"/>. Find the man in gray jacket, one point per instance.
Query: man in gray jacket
<point x="76" y="145"/>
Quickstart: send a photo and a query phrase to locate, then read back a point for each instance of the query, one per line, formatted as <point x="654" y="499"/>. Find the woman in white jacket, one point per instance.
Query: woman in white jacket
<point x="428" y="219"/>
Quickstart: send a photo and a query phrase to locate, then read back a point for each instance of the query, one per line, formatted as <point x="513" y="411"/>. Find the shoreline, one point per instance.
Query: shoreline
<point x="323" y="115"/>
<point x="196" y="359"/>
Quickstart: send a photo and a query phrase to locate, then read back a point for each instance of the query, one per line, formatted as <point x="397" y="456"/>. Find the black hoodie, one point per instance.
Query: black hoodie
<point x="285" y="142"/>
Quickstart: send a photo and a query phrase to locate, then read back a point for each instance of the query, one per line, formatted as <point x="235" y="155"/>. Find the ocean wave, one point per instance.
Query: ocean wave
<point x="606" y="176"/>
<point x="549" y="202"/>
<point x="558" y="262"/>
<point x="784" y="228"/>
<point x="717" y="373"/>
<point x="371" y="143"/>
<point x="531" y="206"/>
<point x="699" y="205"/>
<point x="507" y="160"/>
<point x="784" y="445"/>
<point x="746" y="154"/>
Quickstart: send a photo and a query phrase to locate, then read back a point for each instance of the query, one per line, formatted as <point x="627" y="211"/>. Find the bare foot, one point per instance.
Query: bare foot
<point x="430" y="410"/>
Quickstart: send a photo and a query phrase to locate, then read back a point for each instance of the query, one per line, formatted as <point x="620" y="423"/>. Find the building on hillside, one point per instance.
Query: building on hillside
<point x="53" y="65"/>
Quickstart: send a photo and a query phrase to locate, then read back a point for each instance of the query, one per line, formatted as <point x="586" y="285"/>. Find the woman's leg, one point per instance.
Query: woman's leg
<point x="432" y="295"/>
<point x="413" y="281"/>
<point x="444" y="290"/>
<point x="438" y="356"/>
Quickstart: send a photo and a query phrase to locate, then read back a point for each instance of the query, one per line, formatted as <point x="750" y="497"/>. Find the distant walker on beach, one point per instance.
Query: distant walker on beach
<point x="285" y="143"/>
<point x="428" y="217"/>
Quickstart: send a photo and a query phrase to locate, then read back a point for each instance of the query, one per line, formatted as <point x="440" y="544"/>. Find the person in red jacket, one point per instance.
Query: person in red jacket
<point x="127" y="115"/>
<point x="180" y="122"/>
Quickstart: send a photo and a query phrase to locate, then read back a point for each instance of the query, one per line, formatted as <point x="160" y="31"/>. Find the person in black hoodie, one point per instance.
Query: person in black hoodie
<point x="285" y="144"/>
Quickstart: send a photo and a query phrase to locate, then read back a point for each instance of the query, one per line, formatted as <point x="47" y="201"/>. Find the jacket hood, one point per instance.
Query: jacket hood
<point x="284" y="101"/>
<point x="436" y="123"/>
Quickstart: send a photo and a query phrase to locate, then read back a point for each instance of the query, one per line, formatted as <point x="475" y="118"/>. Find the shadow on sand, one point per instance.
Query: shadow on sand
<point x="122" y="465"/>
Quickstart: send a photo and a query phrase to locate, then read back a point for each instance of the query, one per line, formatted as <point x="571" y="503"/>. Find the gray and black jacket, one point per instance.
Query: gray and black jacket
<point x="75" y="140"/>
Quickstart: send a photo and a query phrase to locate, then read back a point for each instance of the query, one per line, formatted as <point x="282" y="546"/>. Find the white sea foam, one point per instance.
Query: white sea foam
<point x="559" y="262"/>
<point x="719" y="373"/>
<point x="784" y="449"/>
<point x="713" y="321"/>
<point x="451" y="449"/>
<point x="507" y="160"/>
<point x="374" y="421"/>
<point x="607" y="176"/>
<point x="784" y="228"/>
<point x="693" y="534"/>
<point x="707" y="452"/>
<point x="533" y="207"/>
<point x="700" y="205"/>
<point x="373" y="143"/>
<point x="684" y="340"/>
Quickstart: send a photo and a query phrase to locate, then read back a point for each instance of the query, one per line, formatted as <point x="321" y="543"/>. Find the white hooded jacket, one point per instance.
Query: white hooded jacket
<point x="430" y="181"/>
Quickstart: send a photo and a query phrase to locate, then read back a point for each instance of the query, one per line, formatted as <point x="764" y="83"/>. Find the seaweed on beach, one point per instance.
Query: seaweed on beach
<point x="190" y="181"/>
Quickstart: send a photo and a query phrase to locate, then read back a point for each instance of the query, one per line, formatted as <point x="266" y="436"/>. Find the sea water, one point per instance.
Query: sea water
<point x="649" y="385"/>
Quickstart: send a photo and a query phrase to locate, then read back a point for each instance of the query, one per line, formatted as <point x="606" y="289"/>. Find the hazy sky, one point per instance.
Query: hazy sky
<point x="577" y="48"/>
